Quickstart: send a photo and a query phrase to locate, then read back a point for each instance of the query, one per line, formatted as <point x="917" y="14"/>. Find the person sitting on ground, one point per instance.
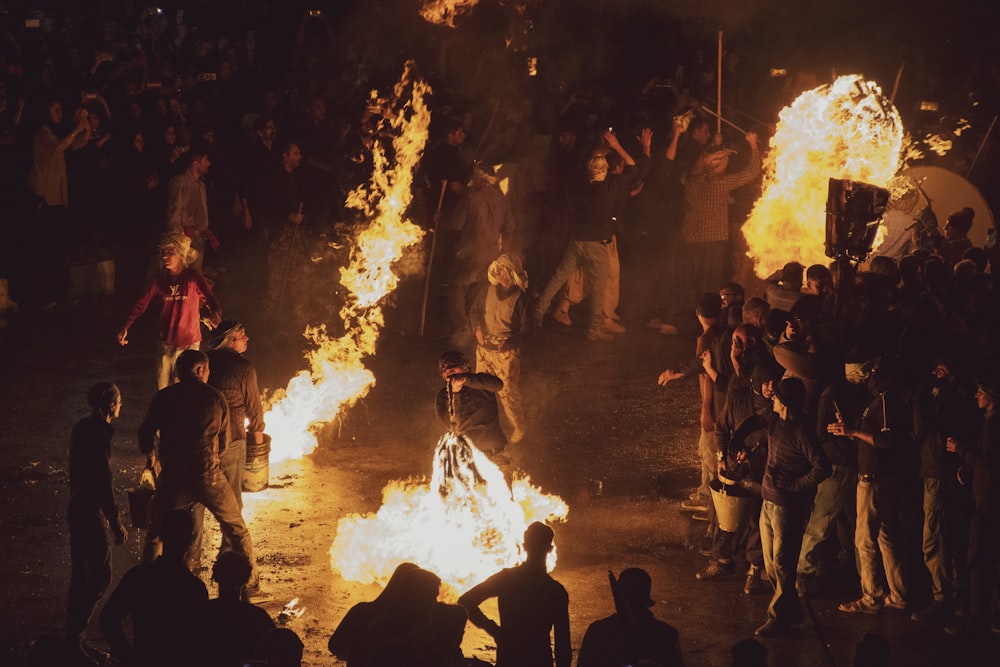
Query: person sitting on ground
<point x="405" y="624"/>
<point x="165" y="603"/>
<point x="467" y="404"/>
<point x="236" y="624"/>
<point x="632" y="635"/>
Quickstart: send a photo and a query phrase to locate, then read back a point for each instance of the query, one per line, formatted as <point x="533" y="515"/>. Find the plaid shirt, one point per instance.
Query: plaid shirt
<point x="706" y="203"/>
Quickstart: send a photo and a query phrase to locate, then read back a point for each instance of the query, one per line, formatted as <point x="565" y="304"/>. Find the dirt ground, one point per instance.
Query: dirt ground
<point x="603" y="436"/>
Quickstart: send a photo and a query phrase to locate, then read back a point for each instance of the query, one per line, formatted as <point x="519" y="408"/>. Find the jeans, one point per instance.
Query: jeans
<point x="781" y="530"/>
<point x="937" y="558"/>
<point x="233" y="463"/>
<point x="878" y="541"/>
<point x="593" y="257"/>
<point x="216" y="495"/>
<point x="166" y="372"/>
<point x="835" y="497"/>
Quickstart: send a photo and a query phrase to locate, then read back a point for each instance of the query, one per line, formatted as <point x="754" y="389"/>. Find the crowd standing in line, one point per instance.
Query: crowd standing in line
<point x="886" y="383"/>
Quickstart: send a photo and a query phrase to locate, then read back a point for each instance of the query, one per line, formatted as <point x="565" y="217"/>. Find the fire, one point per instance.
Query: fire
<point x="445" y="12"/>
<point x="844" y="130"/>
<point x="337" y="377"/>
<point x="463" y="526"/>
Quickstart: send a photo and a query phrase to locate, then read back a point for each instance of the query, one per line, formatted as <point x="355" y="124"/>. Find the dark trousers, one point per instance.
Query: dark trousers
<point x="90" y="573"/>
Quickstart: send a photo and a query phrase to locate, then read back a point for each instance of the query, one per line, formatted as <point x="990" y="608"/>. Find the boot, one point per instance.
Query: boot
<point x="752" y="585"/>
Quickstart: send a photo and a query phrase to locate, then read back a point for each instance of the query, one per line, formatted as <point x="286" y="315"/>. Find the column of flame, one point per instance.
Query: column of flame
<point x="337" y="376"/>
<point x="846" y="129"/>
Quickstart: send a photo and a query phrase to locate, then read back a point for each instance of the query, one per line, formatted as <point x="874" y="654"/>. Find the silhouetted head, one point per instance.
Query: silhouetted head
<point x="105" y="398"/>
<point x="231" y="570"/>
<point x="192" y="365"/>
<point x="538" y="539"/>
<point x="749" y="653"/>
<point x="410" y="586"/>
<point x="634" y="583"/>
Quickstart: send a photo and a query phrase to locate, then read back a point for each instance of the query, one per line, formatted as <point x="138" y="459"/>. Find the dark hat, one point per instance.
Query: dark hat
<point x="223" y="334"/>
<point x="792" y="392"/>
<point x="635" y="584"/>
<point x="453" y="359"/>
<point x="765" y="371"/>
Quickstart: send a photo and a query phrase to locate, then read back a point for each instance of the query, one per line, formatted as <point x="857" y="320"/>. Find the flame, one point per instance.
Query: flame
<point x="445" y="12"/>
<point x="337" y="376"/>
<point x="463" y="526"/>
<point x="846" y="129"/>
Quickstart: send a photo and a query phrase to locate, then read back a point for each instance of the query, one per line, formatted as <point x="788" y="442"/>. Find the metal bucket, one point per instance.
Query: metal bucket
<point x="731" y="503"/>
<point x="139" y="500"/>
<point x="257" y="468"/>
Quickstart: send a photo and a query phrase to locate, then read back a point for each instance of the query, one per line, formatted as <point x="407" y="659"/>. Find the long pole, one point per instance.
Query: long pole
<point x="982" y="145"/>
<point x="895" y="86"/>
<point x="718" y="104"/>
<point x="723" y="120"/>
<point x="430" y="258"/>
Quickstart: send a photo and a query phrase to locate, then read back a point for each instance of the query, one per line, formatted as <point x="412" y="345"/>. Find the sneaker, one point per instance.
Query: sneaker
<point x="597" y="334"/>
<point x="697" y="505"/>
<point x="610" y="326"/>
<point x="859" y="606"/>
<point x="889" y="603"/>
<point x="562" y="317"/>
<point x="715" y="570"/>
<point x="517" y="436"/>
<point x="935" y="611"/>
<point x="702" y="516"/>
<point x="752" y="585"/>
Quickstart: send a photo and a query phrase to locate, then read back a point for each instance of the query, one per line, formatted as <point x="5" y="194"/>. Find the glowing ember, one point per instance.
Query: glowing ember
<point x="846" y="129"/>
<point x="337" y="376"/>
<point x="445" y="12"/>
<point x="464" y="526"/>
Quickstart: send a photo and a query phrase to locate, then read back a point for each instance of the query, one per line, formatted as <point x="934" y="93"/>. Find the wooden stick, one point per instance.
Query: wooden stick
<point x="982" y="145"/>
<point x="895" y="86"/>
<point x="718" y="104"/>
<point x="723" y="120"/>
<point x="430" y="258"/>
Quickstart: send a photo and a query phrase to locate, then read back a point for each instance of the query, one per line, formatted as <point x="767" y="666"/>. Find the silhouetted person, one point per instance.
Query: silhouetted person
<point x="749" y="653"/>
<point x="279" y="647"/>
<point x="164" y="602"/>
<point x="872" y="651"/>
<point x="405" y="624"/>
<point x="92" y="509"/>
<point x="192" y="421"/>
<point x="532" y="606"/>
<point x="237" y="625"/>
<point x="632" y="635"/>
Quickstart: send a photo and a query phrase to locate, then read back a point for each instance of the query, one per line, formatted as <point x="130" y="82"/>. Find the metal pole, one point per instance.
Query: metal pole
<point x="430" y="258"/>
<point x="718" y="104"/>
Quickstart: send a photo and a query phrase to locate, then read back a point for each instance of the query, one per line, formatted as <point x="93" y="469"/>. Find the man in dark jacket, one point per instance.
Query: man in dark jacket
<point x="468" y="403"/>
<point x="597" y="206"/>
<point x="796" y="464"/>
<point x="192" y="421"/>
<point x="92" y="509"/>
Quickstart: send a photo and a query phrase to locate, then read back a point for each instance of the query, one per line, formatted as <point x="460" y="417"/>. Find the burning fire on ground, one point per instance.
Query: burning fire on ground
<point x="843" y="130"/>
<point x="337" y="377"/>
<point x="466" y="524"/>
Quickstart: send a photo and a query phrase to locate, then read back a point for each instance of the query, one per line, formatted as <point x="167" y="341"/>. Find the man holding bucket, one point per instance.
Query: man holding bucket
<point x="796" y="464"/>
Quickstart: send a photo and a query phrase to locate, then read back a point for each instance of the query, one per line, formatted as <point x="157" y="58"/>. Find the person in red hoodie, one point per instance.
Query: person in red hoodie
<point x="183" y="293"/>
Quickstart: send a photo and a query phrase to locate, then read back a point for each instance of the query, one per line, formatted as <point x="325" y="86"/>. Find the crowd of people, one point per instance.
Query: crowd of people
<point x="853" y="411"/>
